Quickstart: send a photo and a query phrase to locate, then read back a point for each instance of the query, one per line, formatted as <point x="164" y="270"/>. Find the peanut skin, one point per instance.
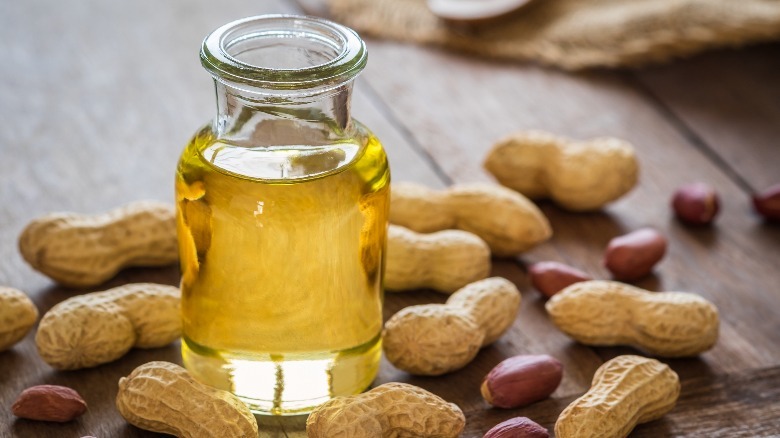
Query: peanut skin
<point x="605" y="313"/>
<point x="550" y="277"/>
<point x="435" y="339"/>
<point x="387" y="411"/>
<point x="518" y="427"/>
<point x="162" y="397"/>
<point x="633" y="255"/>
<point x="86" y="250"/>
<point x="578" y="176"/>
<point x="17" y="316"/>
<point x="444" y="261"/>
<point x="522" y="380"/>
<point x="88" y="330"/>
<point x="767" y="203"/>
<point x="696" y="204"/>
<point x="626" y="391"/>
<point x="507" y="221"/>
<point x="49" y="403"/>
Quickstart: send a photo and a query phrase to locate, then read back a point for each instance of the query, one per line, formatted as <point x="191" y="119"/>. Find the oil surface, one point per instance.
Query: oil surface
<point x="282" y="253"/>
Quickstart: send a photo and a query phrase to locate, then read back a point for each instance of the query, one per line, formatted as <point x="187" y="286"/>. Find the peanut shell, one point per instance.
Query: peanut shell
<point x="162" y="397"/>
<point x="444" y="261"/>
<point x="506" y="220"/>
<point x="387" y="411"/>
<point x="435" y="339"/>
<point x="92" y="329"/>
<point x="626" y="391"/>
<point x="605" y="313"/>
<point x="86" y="250"/>
<point x="17" y="316"/>
<point x="578" y="176"/>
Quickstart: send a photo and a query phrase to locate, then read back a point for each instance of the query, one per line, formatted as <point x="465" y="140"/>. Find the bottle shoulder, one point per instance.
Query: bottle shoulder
<point x="358" y="149"/>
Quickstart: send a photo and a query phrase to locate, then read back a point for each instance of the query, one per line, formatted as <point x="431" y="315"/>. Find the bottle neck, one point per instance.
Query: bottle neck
<point x="283" y="80"/>
<point x="254" y="119"/>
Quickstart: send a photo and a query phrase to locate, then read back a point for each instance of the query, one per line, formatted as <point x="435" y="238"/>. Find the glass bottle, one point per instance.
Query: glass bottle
<point x="282" y="206"/>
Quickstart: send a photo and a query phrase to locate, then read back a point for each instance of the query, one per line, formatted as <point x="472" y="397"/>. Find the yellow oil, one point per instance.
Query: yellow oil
<point x="282" y="254"/>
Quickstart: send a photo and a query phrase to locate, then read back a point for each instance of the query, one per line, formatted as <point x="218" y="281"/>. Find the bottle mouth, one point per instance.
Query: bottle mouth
<point x="283" y="52"/>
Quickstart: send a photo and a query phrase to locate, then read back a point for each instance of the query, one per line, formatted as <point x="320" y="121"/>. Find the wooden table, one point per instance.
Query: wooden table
<point x="98" y="98"/>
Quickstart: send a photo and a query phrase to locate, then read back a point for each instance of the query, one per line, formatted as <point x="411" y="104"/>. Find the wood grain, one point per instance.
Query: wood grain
<point x="727" y="113"/>
<point x="734" y="405"/>
<point x="100" y="97"/>
<point x="508" y="97"/>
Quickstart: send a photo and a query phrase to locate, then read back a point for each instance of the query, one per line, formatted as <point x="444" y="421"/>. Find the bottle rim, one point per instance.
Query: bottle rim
<point x="347" y="58"/>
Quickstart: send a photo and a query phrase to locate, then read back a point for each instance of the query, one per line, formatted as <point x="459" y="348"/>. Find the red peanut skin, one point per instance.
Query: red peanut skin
<point x="522" y="380"/>
<point x="696" y="204"/>
<point x="550" y="278"/>
<point x="767" y="203"/>
<point x="633" y="255"/>
<point x="518" y="427"/>
<point x="49" y="403"/>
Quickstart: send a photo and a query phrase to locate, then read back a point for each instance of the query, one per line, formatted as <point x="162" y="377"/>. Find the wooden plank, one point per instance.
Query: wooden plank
<point x="456" y="112"/>
<point x="744" y="404"/>
<point x="407" y="160"/>
<point x="727" y="102"/>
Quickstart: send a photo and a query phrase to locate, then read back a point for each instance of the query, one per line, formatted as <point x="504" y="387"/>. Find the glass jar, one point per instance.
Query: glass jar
<point x="282" y="206"/>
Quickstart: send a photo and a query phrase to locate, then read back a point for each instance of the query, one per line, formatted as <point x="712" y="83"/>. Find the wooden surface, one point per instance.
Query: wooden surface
<point x="98" y="98"/>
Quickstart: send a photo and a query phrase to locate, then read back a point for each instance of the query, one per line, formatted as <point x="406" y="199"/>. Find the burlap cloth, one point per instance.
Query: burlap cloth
<point x="576" y="34"/>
